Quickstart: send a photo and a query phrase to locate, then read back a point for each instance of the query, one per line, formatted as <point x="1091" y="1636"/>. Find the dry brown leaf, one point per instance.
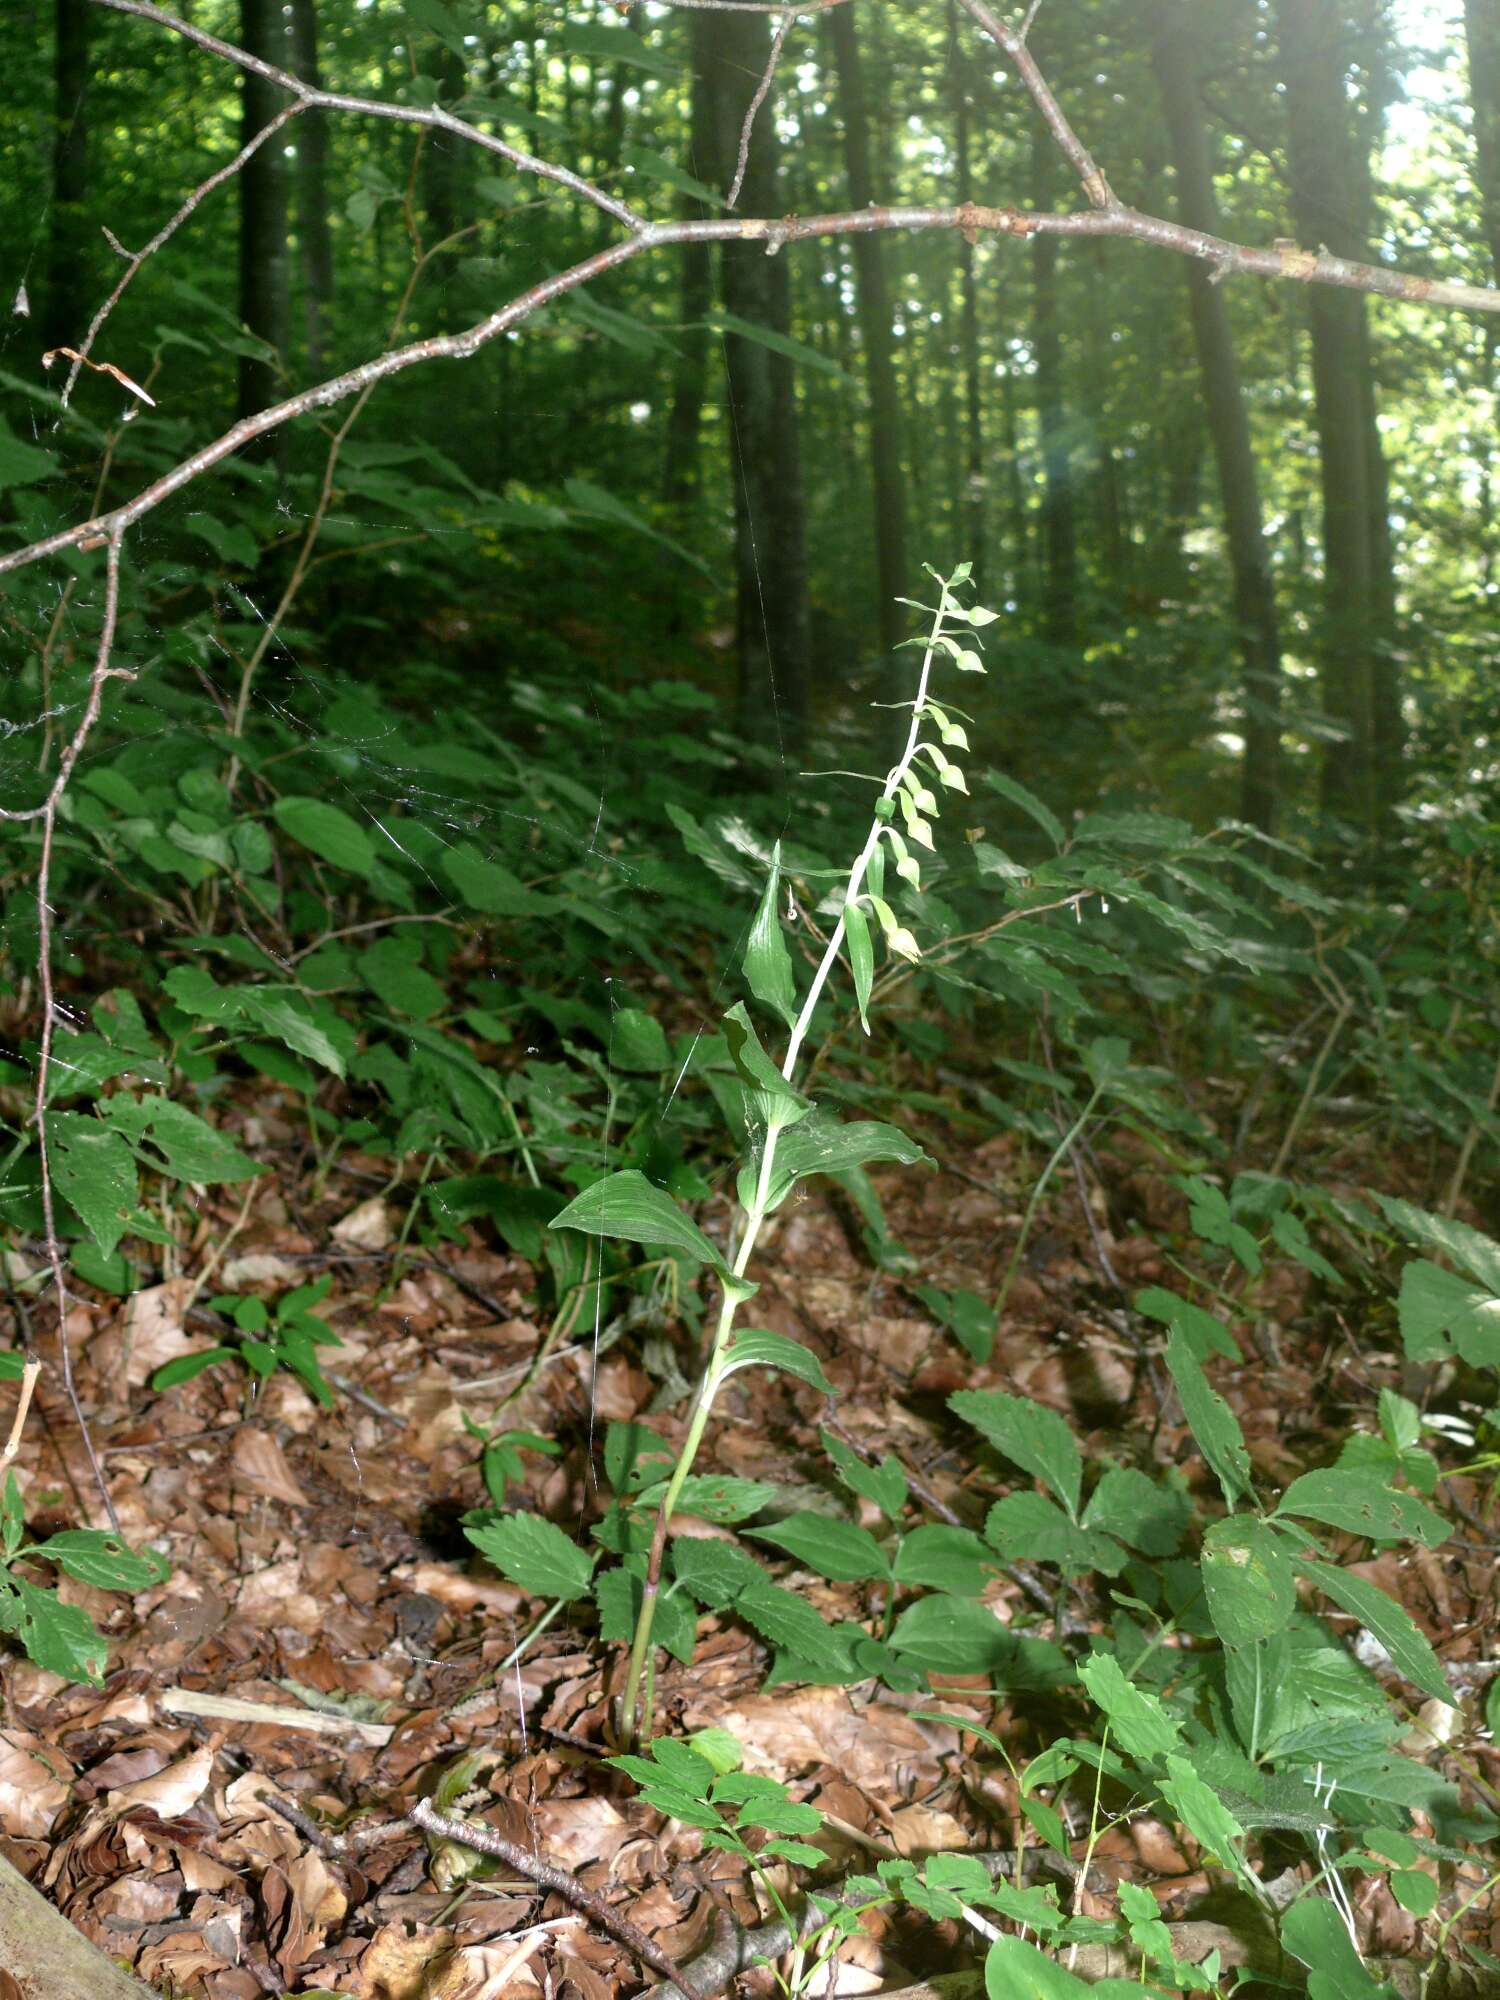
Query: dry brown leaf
<point x="258" y="1466"/>
<point x="574" y="1831"/>
<point x="367" y="1227"/>
<point x="785" y="1732"/>
<point x="149" y="1334"/>
<point x="259" y="1267"/>
<point x="31" y="1793"/>
<point x="400" y="1958"/>
<point x="926" y="1830"/>
<point x="170" y="1793"/>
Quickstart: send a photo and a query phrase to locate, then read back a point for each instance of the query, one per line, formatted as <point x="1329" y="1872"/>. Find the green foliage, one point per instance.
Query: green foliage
<point x="287" y="1336"/>
<point x="62" y="1637"/>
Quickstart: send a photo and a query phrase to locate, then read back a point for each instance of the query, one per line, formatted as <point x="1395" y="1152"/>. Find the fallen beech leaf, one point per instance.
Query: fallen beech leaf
<point x="171" y="1792"/>
<point x="259" y="1467"/>
<point x="31" y="1794"/>
<point x="151" y="1331"/>
<point x="367" y="1227"/>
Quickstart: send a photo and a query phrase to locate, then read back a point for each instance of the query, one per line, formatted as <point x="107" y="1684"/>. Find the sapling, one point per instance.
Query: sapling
<point x="785" y="1140"/>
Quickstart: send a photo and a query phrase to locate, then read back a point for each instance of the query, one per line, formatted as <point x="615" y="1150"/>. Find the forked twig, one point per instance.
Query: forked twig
<point x="748" y="127"/>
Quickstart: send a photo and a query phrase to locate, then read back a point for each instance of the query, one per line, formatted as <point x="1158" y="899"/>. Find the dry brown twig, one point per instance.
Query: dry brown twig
<point x="747" y="129"/>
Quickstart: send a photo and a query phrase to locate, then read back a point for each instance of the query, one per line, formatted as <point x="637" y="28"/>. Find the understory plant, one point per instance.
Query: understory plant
<point x="784" y="1137"/>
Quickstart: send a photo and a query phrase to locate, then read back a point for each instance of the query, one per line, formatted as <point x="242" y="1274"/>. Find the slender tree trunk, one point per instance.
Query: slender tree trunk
<point x="263" y="215"/>
<point x="772" y="621"/>
<point x="1482" y="26"/>
<point x="874" y="308"/>
<point x="1482" y="23"/>
<point x="1229" y="424"/>
<point x="1324" y="204"/>
<point x="975" y="485"/>
<point x="66" y="302"/>
<point x="682" y="471"/>
<point x="315" y="237"/>
<point x="1059" y="517"/>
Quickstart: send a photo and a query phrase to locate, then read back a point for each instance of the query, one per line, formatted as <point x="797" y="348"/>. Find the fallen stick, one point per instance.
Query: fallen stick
<point x="485" y="1840"/>
<point x="46" y="1958"/>
<point x="281" y="1715"/>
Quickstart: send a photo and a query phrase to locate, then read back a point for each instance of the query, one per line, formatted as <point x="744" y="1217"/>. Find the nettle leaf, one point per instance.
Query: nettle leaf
<point x="1248" y="1581"/>
<point x="1204" y="1814"/>
<point x="1410" y="1653"/>
<point x="1313" y="1931"/>
<point x="535" y="1554"/>
<point x="628" y="1207"/>
<point x="836" y="1549"/>
<point x="60" y="1637"/>
<point x="789" y="1621"/>
<point x="1027" y="1527"/>
<point x="938" y="1557"/>
<point x="1210" y="1419"/>
<point x="1035" y="1438"/>
<point x="94" y="1170"/>
<point x="1144" y="1513"/>
<point x="188" y="1146"/>
<point x="1361" y="1503"/>
<point x="618" y="1593"/>
<point x="715" y="1572"/>
<point x="951" y="1635"/>
<point x="92" y="1555"/>
<point x="1475" y="1253"/>
<point x="757" y="1347"/>
<point x="1437" y="1310"/>
<point x="714" y="1496"/>
<point x="329" y="832"/>
<point x="1138" y="1723"/>
<point x="768" y="963"/>
<point x="1204" y="1334"/>
<point x="884" y="1485"/>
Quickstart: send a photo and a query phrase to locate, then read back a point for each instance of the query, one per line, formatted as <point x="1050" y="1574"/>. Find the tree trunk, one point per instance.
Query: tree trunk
<point x="1482" y="22"/>
<point x="975" y="485"/>
<point x="66" y="302"/>
<point x="314" y="235"/>
<point x="874" y="308"/>
<point x="682" y="471"/>
<point x="1059" y="518"/>
<point x="1229" y="424"/>
<point x="263" y="216"/>
<point x="1324" y="205"/>
<point x="772" y="622"/>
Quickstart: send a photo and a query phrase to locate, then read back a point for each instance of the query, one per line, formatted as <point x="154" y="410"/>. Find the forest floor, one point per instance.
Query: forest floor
<point x="318" y="1568"/>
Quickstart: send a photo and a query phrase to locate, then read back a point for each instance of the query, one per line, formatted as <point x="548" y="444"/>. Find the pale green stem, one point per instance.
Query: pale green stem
<point x="1060" y="1153"/>
<point x="756" y="1212"/>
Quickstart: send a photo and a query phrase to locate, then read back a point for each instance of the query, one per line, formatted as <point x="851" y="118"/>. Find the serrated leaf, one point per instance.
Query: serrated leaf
<point x="188" y="1146"/>
<point x="535" y="1554"/>
<point x="938" y="1557"/>
<point x="789" y="1621"/>
<point x="60" y="1637"/>
<point x="1138" y="1723"/>
<point x="884" y="1485"/>
<point x="92" y="1555"/>
<point x="1410" y="1653"/>
<point x="1362" y="1504"/>
<point x="1210" y="1419"/>
<point x="94" y="1170"/>
<point x="629" y="1208"/>
<point x="1144" y="1513"/>
<point x="1031" y="1436"/>
<point x="839" y="1550"/>
<point x="1028" y="1527"/>
<point x="768" y="963"/>
<point x="1204" y="1814"/>
<point x="1205" y="1334"/>
<point x="758" y="1347"/>
<point x="1437" y="1311"/>
<point x="1313" y="1931"/>
<point x="1247" y="1581"/>
<point x="1476" y="1253"/>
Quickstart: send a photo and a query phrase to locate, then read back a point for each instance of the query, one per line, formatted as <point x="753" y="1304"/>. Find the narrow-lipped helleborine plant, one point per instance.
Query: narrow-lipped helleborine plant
<point x="786" y="1140"/>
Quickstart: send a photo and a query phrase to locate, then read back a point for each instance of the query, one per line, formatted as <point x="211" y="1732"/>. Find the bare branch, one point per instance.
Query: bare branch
<point x="374" y="107"/>
<point x="748" y="128"/>
<point x="103" y="671"/>
<point x="80" y="357"/>
<point x="1013" y="41"/>
<point x="485" y="1840"/>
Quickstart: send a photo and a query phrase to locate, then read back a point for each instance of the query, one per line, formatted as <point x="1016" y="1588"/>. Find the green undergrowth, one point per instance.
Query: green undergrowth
<point x="536" y="999"/>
